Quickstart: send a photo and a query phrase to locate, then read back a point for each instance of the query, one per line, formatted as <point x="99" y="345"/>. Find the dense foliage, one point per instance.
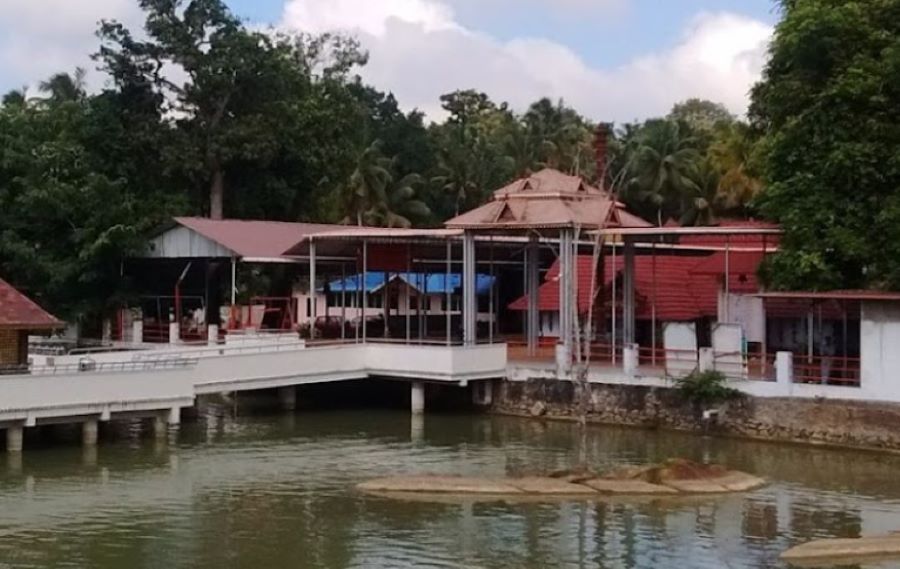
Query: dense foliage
<point x="705" y="388"/>
<point x="204" y="116"/>
<point x="828" y="105"/>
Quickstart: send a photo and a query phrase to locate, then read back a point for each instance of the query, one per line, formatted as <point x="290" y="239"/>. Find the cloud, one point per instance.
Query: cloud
<point x="420" y="51"/>
<point x="42" y="37"/>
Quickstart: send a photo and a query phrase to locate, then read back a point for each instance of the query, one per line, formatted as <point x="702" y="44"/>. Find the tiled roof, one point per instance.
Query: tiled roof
<point x="19" y="312"/>
<point x="548" y="199"/>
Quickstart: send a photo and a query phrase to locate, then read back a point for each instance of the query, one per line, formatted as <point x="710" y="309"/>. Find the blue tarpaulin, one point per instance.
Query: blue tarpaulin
<point x="430" y="282"/>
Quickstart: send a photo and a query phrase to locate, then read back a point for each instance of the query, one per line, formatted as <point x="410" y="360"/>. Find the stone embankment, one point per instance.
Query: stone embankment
<point x="672" y="478"/>
<point x="830" y="422"/>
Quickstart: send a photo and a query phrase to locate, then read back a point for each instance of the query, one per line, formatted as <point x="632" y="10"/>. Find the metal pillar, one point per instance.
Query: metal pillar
<point x="628" y="294"/>
<point x="491" y="296"/>
<point x="727" y="308"/>
<point x="532" y="326"/>
<point x="365" y="286"/>
<point x="408" y="280"/>
<point x="566" y="290"/>
<point x="470" y="299"/>
<point x="312" y="289"/>
<point x="614" y="305"/>
<point x="343" y="301"/>
<point x="233" y="281"/>
<point x="448" y="292"/>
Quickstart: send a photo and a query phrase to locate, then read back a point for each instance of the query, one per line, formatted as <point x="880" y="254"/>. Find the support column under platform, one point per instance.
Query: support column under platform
<point x="287" y="398"/>
<point x="417" y="397"/>
<point x="15" y="435"/>
<point x="89" y="433"/>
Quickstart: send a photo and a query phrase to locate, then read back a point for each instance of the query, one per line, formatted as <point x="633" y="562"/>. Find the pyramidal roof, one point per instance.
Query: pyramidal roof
<point x="545" y="200"/>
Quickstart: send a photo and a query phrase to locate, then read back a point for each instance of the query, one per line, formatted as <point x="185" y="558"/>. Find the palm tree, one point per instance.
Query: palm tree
<point x="63" y="87"/>
<point x="663" y="170"/>
<point x="367" y="186"/>
<point x="16" y="98"/>
<point x="731" y="154"/>
<point x="701" y="207"/>
<point x="401" y="206"/>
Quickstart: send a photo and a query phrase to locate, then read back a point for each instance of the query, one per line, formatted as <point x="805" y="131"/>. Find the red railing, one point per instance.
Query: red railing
<point x="156" y="332"/>
<point x="827" y="370"/>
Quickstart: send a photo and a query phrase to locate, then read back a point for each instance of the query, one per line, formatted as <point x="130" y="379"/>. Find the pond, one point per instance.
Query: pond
<point x="276" y="491"/>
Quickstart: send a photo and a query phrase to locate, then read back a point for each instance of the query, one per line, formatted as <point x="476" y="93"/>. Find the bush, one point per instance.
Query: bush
<point x="706" y="388"/>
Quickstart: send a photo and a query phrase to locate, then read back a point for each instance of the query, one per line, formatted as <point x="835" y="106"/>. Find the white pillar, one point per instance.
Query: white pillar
<point x="106" y="334"/>
<point x="233" y="282"/>
<point x="160" y="426"/>
<point x="173" y="331"/>
<point x="706" y="360"/>
<point x="417" y="398"/>
<point x="364" y="289"/>
<point x="14" y="437"/>
<point x="137" y="332"/>
<point x="482" y="393"/>
<point x="784" y="369"/>
<point x="630" y="360"/>
<point x="89" y="433"/>
<point x="212" y="334"/>
<point x="175" y="416"/>
<point x="448" y="291"/>
<point x="287" y="397"/>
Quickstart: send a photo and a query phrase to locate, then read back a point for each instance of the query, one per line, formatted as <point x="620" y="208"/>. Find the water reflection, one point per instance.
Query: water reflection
<point x="259" y="492"/>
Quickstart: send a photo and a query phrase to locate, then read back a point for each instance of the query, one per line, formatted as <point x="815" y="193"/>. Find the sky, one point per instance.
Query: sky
<point x="613" y="60"/>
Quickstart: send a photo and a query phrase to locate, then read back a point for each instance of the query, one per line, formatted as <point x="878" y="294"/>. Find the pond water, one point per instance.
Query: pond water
<point x="276" y="491"/>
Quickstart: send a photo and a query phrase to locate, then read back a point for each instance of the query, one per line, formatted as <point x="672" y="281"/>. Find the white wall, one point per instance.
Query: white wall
<point x="880" y="350"/>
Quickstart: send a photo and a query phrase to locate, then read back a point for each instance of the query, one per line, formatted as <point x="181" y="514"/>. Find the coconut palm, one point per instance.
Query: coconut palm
<point x="401" y="206"/>
<point x="63" y="87"/>
<point x="366" y="188"/>
<point x="662" y="171"/>
<point x="731" y="154"/>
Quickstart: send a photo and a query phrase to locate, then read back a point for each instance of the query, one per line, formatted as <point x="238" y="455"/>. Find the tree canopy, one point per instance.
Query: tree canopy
<point x="828" y="107"/>
<point x="204" y="116"/>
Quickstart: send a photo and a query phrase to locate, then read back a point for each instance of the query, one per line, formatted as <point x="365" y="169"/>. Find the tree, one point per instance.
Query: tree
<point x="827" y="105"/>
<point x="366" y="189"/>
<point x="662" y="171"/>
<point x="62" y="87"/>
<point x="234" y="91"/>
<point x="700" y="114"/>
<point x="733" y="154"/>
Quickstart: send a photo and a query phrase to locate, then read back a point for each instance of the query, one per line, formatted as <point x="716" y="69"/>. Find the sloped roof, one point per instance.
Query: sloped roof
<point x="18" y="312"/>
<point x="548" y="199"/>
<point x="240" y="238"/>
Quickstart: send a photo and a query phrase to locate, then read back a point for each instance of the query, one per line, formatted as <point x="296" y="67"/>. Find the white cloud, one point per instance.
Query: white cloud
<point x="419" y="51"/>
<point x="42" y="37"/>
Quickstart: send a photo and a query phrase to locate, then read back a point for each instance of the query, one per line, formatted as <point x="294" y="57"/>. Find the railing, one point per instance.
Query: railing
<point x="91" y="366"/>
<point x="761" y="367"/>
<point x="827" y="370"/>
<point x="221" y="350"/>
<point x="155" y="333"/>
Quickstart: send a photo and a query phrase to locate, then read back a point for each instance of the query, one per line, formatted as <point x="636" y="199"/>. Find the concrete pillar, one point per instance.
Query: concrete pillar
<point x="784" y="369"/>
<point x="173" y="332"/>
<point x="14" y="438"/>
<point x="706" y="360"/>
<point x="287" y="398"/>
<point x="106" y="332"/>
<point x="417" y="428"/>
<point x="137" y="332"/>
<point x="212" y="334"/>
<point x="160" y="427"/>
<point x="174" y="417"/>
<point x="630" y="361"/>
<point x="89" y="433"/>
<point x="483" y="393"/>
<point x="417" y="398"/>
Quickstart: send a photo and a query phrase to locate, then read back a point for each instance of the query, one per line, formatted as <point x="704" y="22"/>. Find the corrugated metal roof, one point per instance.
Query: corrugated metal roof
<point x="18" y="312"/>
<point x="250" y="238"/>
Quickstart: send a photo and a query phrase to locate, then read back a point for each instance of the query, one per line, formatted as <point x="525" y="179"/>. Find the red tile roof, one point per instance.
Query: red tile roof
<point x="18" y="312"/>
<point x="679" y="294"/>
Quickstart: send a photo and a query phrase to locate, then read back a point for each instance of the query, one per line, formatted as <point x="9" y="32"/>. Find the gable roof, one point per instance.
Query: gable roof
<point x="18" y="312"/>
<point x="192" y="237"/>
